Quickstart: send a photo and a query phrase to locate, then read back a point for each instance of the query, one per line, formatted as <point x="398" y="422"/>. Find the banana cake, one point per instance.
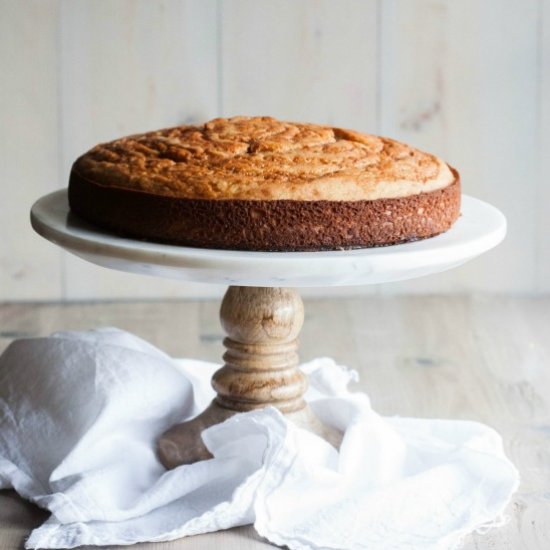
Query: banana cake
<point x="257" y="183"/>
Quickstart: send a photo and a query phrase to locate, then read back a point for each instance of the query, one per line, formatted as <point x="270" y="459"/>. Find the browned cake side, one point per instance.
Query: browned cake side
<point x="279" y="225"/>
<point x="257" y="183"/>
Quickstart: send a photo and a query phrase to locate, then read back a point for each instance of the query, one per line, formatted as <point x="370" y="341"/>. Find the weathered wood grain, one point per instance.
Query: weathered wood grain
<point x="459" y="79"/>
<point x="469" y="80"/>
<point x="478" y="358"/>
<point x="129" y="67"/>
<point x="30" y="269"/>
<point x="312" y="60"/>
<point x="260" y="367"/>
<point x="543" y="187"/>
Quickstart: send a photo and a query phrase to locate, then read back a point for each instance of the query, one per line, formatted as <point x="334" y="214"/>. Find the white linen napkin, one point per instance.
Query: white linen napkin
<point x="80" y="413"/>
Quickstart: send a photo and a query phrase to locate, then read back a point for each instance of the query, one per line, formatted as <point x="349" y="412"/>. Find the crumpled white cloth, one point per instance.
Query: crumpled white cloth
<point x="80" y="413"/>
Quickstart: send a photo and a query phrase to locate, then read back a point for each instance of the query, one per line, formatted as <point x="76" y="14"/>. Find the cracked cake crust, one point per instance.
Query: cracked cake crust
<point x="261" y="184"/>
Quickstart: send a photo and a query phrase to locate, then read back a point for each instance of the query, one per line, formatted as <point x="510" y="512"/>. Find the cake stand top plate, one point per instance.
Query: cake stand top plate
<point x="480" y="227"/>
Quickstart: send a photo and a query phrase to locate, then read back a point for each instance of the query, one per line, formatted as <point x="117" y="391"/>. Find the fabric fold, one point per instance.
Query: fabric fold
<point x="80" y="413"/>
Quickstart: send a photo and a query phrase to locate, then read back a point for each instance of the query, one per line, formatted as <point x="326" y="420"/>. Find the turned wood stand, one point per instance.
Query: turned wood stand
<point x="262" y="319"/>
<point x="260" y="369"/>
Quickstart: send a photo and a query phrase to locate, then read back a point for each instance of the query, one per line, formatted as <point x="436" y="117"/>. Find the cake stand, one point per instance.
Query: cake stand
<point x="261" y="312"/>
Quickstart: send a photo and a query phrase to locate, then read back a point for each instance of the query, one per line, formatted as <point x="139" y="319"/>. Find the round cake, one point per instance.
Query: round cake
<point x="257" y="183"/>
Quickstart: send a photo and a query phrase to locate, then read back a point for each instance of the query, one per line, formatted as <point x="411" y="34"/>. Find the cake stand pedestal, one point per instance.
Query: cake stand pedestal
<point x="261" y="314"/>
<point x="260" y="369"/>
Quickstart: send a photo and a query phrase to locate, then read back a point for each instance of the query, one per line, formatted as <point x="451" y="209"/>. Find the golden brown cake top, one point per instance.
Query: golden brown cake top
<point x="261" y="158"/>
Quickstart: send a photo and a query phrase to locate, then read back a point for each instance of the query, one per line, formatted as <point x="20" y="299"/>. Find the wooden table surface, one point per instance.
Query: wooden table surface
<point x="480" y="358"/>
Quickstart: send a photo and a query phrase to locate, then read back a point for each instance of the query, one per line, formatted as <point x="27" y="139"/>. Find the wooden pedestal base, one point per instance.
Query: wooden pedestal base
<point x="260" y="369"/>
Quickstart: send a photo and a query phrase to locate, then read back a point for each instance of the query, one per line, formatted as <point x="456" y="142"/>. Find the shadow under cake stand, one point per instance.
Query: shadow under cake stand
<point x="261" y="312"/>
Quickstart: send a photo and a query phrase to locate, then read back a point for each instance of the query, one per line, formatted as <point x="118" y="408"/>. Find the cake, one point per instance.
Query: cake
<point x="257" y="183"/>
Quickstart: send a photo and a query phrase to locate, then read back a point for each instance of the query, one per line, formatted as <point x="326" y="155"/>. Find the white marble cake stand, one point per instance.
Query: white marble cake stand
<point x="261" y="315"/>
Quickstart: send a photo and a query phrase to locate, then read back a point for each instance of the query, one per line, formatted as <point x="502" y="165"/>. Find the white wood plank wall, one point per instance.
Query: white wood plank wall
<point x="468" y="80"/>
